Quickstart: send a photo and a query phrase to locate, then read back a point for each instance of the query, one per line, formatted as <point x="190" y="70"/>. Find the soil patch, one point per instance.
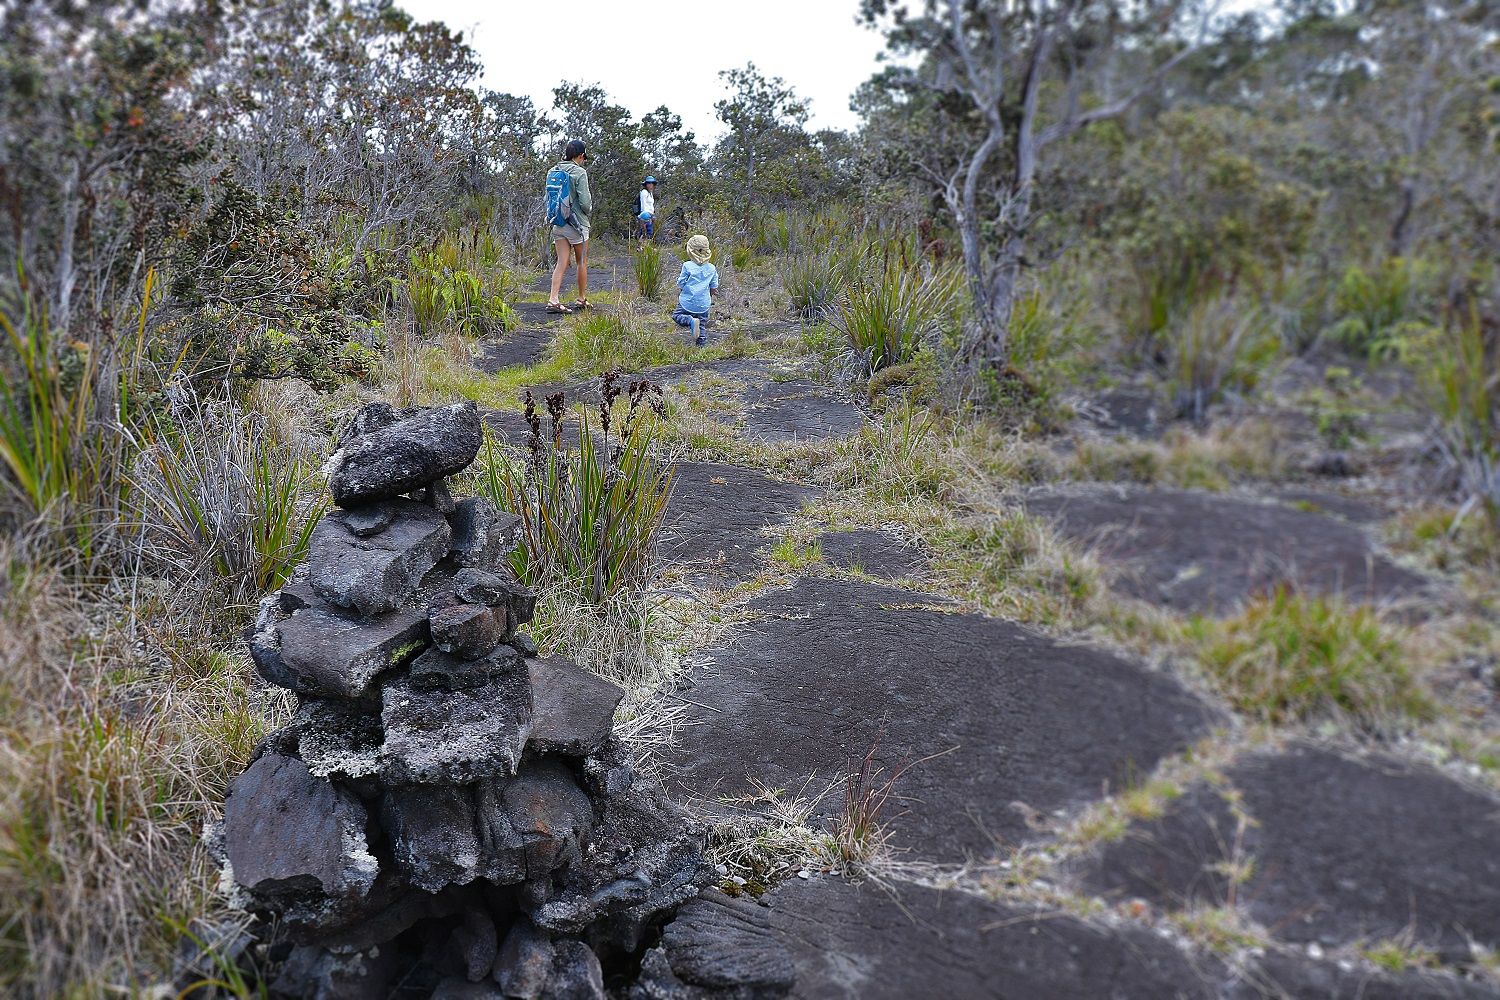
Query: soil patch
<point x="837" y="940"/>
<point x="1344" y="850"/>
<point x="716" y="513"/>
<point x="877" y="553"/>
<point x="1000" y="726"/>
<point x="1202" y="552"/>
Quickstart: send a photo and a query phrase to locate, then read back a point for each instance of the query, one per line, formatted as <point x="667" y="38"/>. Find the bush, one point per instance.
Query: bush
<point x="648" y="270"/>
<point x="1459" y="373"/>
<point x="588" y="521"/>
<point x="1220" y="344"/>
<point x="889" y="316"/>
<point x="1290" y="657"/>
<point x="441" y="292"/>
<point x="1379" y="307"/>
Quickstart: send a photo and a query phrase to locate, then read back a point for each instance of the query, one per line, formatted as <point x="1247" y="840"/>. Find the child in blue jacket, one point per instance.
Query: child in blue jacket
<point x="699" y="280"/>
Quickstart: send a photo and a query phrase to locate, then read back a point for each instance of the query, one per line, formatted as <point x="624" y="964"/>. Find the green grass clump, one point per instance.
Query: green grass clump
<point x="890" y="316"/>
<point x="814" y="282"/>
<point x="648" y="270"/>
<point x="1290" y="657"/>
<point x="793" y="555"/>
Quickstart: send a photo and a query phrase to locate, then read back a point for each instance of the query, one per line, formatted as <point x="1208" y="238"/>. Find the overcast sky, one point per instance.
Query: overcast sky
<point x="649" y="56"/>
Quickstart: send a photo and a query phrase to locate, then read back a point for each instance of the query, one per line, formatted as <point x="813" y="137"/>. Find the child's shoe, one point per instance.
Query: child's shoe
<point x="698" y="337"/>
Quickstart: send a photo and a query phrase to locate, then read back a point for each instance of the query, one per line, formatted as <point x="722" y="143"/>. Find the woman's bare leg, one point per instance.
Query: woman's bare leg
<point x="560" y="271"/>
<point x="581" y="254"/>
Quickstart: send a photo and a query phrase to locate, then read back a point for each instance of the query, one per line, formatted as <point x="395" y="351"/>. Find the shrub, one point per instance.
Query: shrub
<point x="741" y="256"/>
<point x="1290" y="657"/>
<point x="648" y="270"/>
<point x="441" y="293"/>
<point x="1220" y="344"/>
<point x="889" y="316"/>
<point x="1379" y="307"/>
<point x="588" y="521"/>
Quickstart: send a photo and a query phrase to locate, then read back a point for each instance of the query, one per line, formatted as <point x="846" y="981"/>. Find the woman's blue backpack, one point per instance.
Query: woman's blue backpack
<point x="559" y="197"/>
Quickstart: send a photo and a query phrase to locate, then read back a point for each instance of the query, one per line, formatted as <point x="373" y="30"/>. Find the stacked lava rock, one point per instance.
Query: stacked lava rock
<point x="447" y="812"/>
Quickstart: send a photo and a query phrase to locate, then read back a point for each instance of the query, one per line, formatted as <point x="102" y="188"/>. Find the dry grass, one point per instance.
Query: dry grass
<point x="121" y="727"/>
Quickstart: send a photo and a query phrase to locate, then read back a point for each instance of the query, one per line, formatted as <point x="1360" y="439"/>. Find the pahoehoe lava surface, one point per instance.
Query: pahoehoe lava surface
<point x="1202" y="552"/>
<point x="994" y="720"/>
<point x="716" y="513"/>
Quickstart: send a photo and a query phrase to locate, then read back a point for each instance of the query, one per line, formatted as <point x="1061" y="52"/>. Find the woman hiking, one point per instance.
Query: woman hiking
<point x="569" y="203"/>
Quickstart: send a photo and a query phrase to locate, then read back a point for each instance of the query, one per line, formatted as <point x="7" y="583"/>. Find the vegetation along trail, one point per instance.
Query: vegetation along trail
<point x="1069" y="566"/>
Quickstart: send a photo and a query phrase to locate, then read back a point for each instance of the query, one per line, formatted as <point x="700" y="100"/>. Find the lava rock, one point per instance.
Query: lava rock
<point x="481" y="586"/>
<point x="314" y="973"/>
<point x="436" y="669"/>
<point x="378" y="573"/>
<point x="608" y="774"/>
<point x="478" y="944"/>
<point x="576" y="973"/>
<point x="329" y="654"/>
<point x="462" y="989"/>
<point x="645" y="858"/>
<point x="467" y="631"/>
<point x="432" y="834"/>
<point x="541" y="817"/>
<point x="440" y="498"/>
<point x="405" y="456"/>
<point x="291" y="838"/>
<point x="435" y="736"/>
<point x="525" y="961"/>
<point x="720" y="944"/>
<point x="572" y="709"/>
<point x="367" y="522"/>
<point x="526" y="644"/>
<point x="482" y="535"/>
<point x="337" y="739"/>
<point x="371" y="418"/>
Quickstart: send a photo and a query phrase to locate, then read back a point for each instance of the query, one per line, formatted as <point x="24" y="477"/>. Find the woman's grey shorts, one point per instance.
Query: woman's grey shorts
<point x="572" y="234"/>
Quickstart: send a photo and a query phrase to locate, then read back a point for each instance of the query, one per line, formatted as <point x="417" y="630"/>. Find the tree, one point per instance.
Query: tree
<point x="766" y="121"/>
<point x="1025" y="76"/>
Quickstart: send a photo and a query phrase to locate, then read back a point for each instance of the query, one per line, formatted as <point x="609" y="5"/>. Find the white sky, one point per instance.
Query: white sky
<point x="646" y="55"/>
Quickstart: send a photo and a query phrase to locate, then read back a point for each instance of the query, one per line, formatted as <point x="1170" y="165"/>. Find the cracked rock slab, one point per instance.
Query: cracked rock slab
<point x="327" y="653"/>
<point x="573" y="710"/>
<point x="716" y="514"/>
<point x="406" y="455"/>
<point x="1344" y="850"/>
<point x="437" y="736"/>
<point x="433" y="834"/>
<point x="376" y="572"/>
<point x="1205" y="552"/>
<point x="995" y="726"/>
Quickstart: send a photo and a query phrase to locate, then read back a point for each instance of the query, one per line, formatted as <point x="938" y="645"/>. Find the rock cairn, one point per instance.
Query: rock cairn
<point x="448" y="814"/>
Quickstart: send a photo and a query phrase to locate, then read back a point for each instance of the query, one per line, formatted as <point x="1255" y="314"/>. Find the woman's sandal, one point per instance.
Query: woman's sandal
<point x="581" y="304"/>
<point x="559" y="309"/>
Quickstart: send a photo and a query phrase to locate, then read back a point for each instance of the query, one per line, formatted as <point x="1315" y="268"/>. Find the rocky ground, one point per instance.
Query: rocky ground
<point x="1058" y="811"/>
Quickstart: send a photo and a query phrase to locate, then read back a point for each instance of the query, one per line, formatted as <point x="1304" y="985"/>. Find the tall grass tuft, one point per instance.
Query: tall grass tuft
<point x="890" y="315"/>
<point x="219" y="500"/>
<point x="1291" y="657"/>
<point x="442" y="292"/>
<point x="814" y="282"/>
<point x="1460" y="378"/>
<point x="589" y="520"/>
<point x="1220" y="344"/>
<point x="648" y="270"/>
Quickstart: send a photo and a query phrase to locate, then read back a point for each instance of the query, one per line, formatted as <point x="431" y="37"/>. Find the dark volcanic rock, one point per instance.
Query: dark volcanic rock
<point x="572" y="709"/>
<point x="1344" y="850"/>
<point x="294" y="840"/>
<point x="433" y="834"/>
<point x="336" y="739"/>
<point x="370" y="418"/>
<point x="994" y="721"/>
<point x="525" y="961"/>
<point x="645" y="857"/>
<point x="381" y="571"/>
<point x="405" y="456"/>
<point x="541" y="816"/>
<point x="366" y="522"/>
<point x="723" y="945"/>
<point x="576" y="973"/>
<point x="869" y="551"/>
<point x="314" y="973"/>
<point x="902" y="941"/>
<point x="1204" y="552"/>
<point x="467" y="631"/>
<point x="436" y="669"/>
<point x="482" y="535"/>
<point x="455" y="737"/>
<point x="716" y="514"/>
<point x="480" y="586"/>
<point x="331" y="654"/>
<point x="797" y="410"/>
<point x="522" y="347"/>
<point x="1282" y="976"/>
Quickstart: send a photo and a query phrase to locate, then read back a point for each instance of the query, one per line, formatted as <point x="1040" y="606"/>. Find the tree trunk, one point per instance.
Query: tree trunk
<point x="62" y="306"/>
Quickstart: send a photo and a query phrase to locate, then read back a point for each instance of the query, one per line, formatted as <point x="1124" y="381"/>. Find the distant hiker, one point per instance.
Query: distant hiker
<point x="699" y="280"/>
<point x="568" y="207"/>
<point x="645" y="209"/>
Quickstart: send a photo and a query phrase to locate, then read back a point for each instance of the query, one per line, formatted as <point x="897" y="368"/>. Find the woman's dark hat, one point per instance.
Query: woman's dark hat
<point x="574" y="150"/>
